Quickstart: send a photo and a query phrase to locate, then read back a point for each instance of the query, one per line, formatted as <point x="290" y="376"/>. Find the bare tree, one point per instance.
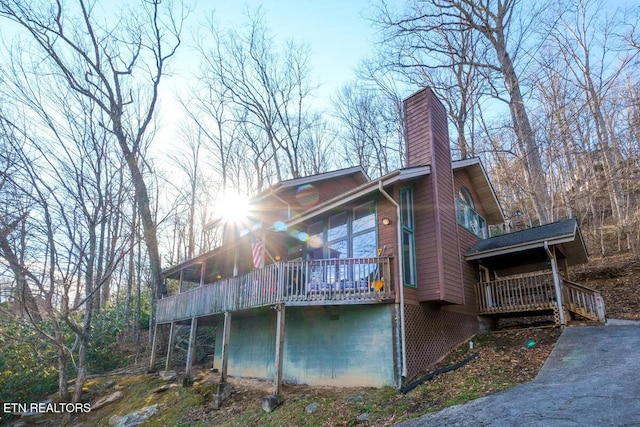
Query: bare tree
<point x="103" y="64"/>
<point x="491" y="33"/>
<point x="268" y="87"/>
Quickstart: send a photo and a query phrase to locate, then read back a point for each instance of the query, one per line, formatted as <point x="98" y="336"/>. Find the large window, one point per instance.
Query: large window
<point x="348" y="234"/>
<point x="408" y="237"/>
<point x="467" y="215"/>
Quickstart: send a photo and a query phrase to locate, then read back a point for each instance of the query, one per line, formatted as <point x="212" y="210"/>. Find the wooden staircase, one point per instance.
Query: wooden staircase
<point x="583" y="301"/>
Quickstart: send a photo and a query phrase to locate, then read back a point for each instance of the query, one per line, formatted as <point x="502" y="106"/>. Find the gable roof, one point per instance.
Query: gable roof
<point x="483" y="187"/>
<point x="365" y="189"/>
<point x="295" y="182"/>
<point x="564" y="232"/>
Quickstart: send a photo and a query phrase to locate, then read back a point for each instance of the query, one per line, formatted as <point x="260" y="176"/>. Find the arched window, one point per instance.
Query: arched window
<point x="465" y="196"/>
<point x="467" y="216"/>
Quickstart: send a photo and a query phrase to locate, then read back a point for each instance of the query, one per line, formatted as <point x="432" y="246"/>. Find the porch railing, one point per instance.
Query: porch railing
<point x="517" y="293"/>
<point x="320" y="282"/>
<point x="583" y="300"/>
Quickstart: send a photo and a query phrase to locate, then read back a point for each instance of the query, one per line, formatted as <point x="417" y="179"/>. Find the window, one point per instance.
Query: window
<point x="348" y="234"/>
<point x="467" y="215"/>
<point x="408" y="237"/>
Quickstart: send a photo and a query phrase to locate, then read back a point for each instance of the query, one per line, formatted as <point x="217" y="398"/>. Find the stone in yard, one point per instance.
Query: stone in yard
<point x="363" y="417"/>
<point x="168" y="375"/>
<point x="107" y="399"/>
<point x="114" y="420"/>
<point x="355" y="399"/>
<point x="164" y="388"/>
<point x="311" y="408"/>
<point x="138" y="417"/>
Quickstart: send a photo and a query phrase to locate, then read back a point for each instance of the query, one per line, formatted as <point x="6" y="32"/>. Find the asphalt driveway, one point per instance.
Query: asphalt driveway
<point x="591" y="378"/>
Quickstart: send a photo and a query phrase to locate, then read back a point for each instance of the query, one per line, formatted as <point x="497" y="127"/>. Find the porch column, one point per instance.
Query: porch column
<point x="180" y="283"/>
<point x="556" y="282"/>
<point x="279" y="349"/>
<point x="225" y="346"/>
<point x="154" y="347"/>
<point x="172" y="335"/>
<point x="191" y="352"/>
<point x="202" y="272"/>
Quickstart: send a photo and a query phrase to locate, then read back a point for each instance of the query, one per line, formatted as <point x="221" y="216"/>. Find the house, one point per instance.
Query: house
<point x="364" y="282"/>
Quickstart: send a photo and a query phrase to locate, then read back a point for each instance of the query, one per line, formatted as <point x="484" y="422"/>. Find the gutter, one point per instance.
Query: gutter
<point x="403" y="334"/>
<point x="556" y="282"/>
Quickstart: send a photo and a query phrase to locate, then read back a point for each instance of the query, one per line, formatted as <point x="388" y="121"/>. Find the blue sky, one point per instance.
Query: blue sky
<point x="337" y="32"/>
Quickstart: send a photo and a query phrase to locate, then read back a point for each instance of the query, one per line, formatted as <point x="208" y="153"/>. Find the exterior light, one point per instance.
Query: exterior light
<point x="386" y="221"/>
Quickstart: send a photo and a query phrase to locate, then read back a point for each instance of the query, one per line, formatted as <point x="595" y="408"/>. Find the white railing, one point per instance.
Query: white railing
<point x="583" y="300"/>
<point x="325" y="282"/>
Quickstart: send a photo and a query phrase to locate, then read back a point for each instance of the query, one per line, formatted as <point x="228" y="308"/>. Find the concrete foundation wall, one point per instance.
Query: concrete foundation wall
<point x="339" y="345"/>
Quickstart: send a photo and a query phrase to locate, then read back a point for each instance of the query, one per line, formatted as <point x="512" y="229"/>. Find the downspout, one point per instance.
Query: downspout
<point x="556" y="282"/>
<point x="403" y="340"/>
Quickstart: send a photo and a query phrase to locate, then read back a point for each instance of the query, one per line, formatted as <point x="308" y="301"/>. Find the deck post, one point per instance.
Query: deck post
<point x="279" y="349"/>
<point x="154" y="347"/>
<point x="172" y="335"/>
<point x="225" y="346"/>
<point x="191" y="352"/>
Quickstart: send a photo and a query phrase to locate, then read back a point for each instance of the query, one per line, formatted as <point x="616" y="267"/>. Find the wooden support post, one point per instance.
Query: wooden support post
<point x="203" y="269"/>
<point x="172" y="335"/>
<point x="557" y="284"/>
<point x="225" y="346"/>
<point x="154" y="347"/>
<point x="181" y="281"/>
<point x="279" y="349"/>
<point x="191" y="352"/>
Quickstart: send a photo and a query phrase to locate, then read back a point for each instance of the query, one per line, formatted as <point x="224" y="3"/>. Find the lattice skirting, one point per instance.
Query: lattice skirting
<point x="432" y="333"/>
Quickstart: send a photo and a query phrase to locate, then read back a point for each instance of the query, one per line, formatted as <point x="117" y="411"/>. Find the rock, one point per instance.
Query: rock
<point x="311" y="408"/>
<point x="107" y="399"/>
<point x="355" y="399"/>
<point x="168" y="375"/>
<point x="363" y="417"/>
<point x="164" y="388"/>
<point x="137" y="417"/>
<point x="114" y="420"/>
<point x="505" y="358"/>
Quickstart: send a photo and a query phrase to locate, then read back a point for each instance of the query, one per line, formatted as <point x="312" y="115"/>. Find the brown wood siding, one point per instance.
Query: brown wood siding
<point x="467" y="239"/>
<point x="387" y="235"/>
<point x="325" y="190"/>
<point x="427" y="269"/>
<point x="438" y="257"/>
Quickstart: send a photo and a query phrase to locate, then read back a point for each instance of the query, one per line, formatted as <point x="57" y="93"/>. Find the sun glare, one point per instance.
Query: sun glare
<point x="234" y="208"/>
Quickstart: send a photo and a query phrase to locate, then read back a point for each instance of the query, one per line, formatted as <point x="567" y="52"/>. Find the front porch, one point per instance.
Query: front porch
<point x="294" y="283"/>
<point x="526" y="273"/>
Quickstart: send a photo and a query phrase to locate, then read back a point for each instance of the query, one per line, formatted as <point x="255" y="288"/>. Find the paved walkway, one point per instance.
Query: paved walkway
<point x="591" y="378"/>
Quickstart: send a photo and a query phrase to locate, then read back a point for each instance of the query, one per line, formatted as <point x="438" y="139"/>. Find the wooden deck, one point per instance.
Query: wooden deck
<point x="294" y="283"/>
<point x="526" y="294"/>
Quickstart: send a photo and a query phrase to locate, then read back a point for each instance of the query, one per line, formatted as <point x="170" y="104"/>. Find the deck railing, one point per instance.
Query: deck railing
<point x="316" y="282"/>
<point x="583" y="300"/>
<point x="513" y="294"/>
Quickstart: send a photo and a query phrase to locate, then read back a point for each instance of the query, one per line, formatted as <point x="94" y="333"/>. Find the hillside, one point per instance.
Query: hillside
<point x="505" y="358"/>
<point x="617" y="277"/>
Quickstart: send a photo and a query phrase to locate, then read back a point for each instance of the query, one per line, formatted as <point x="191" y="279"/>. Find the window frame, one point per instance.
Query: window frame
<point x="467" y="216"/>
<point x="407" y="224"/>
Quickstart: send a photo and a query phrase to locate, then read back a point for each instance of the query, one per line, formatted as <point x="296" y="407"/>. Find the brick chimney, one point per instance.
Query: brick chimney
<point x="437" y="246"/>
